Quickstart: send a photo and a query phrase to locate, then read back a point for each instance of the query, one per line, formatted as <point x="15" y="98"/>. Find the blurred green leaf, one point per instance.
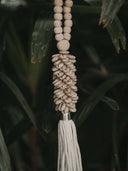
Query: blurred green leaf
<point x="15" y="90"/>
<point x="82" y="9"/>
<point x="13" y="3"/>
<point x="40" y="39"/>
<point x="15" y="113"/>
<point x="92" y="54"/>
<point x="115" y="141"/>
<point x="94" y="2"/>
<point x="113" y="167"/>
<point x="18" y="130"/>
<point x="111" y="103"/>
<point x="117" y="34"/>
<point x="34" y="74"/>
<point x="15" y="50"/>
<point x="5" y="164"/>
<point x="97" y="95"/>
<point x="109" y="10"/>
<point x="50" y="117"/>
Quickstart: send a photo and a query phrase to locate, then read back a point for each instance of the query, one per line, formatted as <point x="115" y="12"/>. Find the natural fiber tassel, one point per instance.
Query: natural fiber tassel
<point x="69" y="157"/>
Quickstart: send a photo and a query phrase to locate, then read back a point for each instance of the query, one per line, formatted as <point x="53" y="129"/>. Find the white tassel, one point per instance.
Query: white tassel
<point x="69" y="157"/>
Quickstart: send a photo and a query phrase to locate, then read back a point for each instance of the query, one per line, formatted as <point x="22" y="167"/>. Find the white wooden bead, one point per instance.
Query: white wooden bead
<point x="63" y="45"/>
<point x="67" y="29"/>
<point x="58" y="16"/>
<point x="67" y="36"/>
<point x="69" y="3"/>
<point x="58" y="9"/>
<point x="59" y="37"/>
<point x="67" y="16"/>
<point x="66" y="9"/>
<point x="64" y="52"/>
<point x="68" y="23"/>
<point x="58" y="30"/>
<point x="58" y="2"/>
<point x="57" y="23"/>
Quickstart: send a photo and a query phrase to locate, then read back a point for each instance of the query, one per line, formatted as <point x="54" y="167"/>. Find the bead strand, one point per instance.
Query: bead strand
<point x="64" y="78"/>
<point x="68" y="21"/>
<point x="63" y="35"/>
<point x="58" y="19"/>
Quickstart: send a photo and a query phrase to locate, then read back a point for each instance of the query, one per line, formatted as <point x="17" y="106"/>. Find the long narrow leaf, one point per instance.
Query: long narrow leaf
<point x="107" y="100"/>
<point x="117" y="34"/>
<point x="5" y="164"/>
<point x="109" y="10"/>
<point x="40" y="39"/>
<point x="13" y="3"/>
<point x="98" y="94"/>
<point x="15" y="90"/>
<point x="15" y="50"/>
<point x="111" y="103"/>
<point x="115" y="141"/>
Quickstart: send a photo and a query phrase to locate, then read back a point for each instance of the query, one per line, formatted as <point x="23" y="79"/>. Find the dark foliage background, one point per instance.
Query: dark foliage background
<point x="28" y="121"/>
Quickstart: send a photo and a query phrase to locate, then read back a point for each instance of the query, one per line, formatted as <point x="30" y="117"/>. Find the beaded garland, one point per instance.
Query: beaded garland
<point x="64" y="78"/>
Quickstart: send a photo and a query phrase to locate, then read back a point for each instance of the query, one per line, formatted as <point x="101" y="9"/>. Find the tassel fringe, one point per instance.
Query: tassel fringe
<point x="69" y="157"/>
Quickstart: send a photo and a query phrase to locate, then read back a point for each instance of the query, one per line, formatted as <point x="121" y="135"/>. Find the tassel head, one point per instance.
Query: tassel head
<point x="66" y="117"/>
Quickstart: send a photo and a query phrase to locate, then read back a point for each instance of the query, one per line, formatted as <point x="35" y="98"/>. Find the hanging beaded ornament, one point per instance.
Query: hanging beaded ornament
<point x="65" y="97"/>
<point x="64" y="78"/>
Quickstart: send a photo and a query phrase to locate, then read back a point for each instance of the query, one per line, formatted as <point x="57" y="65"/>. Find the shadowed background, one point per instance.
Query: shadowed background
<point x="28" y="121"/>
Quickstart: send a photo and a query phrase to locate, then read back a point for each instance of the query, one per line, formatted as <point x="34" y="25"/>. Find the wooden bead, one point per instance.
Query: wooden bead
<point x="58" y="16"/>
<point x="58" y="30"/>
<point x="69" y="3"/>
<point x="58" y="2"/>
<point x="57" y="23"/>
<point x="63" y="45"/>
<point x="64" y="52"/>
<point x="59" y="37"/>
<point x="67" y="16"/>
<point x="67" y="30"/>
<point x="58" y="9"/>
<point x="66" y="9"/>
<point x="68" y="23"/>
<point x="67" y="36"/>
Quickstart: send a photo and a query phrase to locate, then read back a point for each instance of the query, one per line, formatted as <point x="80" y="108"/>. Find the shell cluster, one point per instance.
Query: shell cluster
<point x="64" y="80"/>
